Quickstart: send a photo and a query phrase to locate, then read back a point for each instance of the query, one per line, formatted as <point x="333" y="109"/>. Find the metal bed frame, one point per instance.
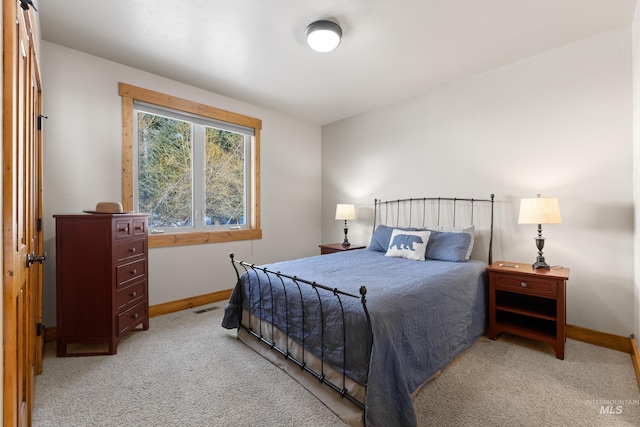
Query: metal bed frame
<point x="264" y="332"/>
<point x="411" y="207"/>
<point x="320" y="290"/>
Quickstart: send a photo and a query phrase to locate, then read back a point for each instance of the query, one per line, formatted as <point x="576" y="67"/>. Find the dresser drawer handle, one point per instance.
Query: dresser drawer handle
<point x="134" y="294"/>
<point x="523" y="284"/>
<point x="134" y="271"/>
<point x="124" y="229"/>
<point x="135" y="315"/>
<point x="132" y="250"/>
<point x="141" y="228"/>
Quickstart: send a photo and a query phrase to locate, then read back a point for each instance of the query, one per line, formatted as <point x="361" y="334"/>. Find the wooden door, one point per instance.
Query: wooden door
<point x="21" y="207"/>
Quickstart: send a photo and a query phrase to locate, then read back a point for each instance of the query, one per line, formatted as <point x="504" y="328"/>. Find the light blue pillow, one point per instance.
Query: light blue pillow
<point x="449" y="246"/>
<point x="470" y="229"/>
<point x="382" y="236"/>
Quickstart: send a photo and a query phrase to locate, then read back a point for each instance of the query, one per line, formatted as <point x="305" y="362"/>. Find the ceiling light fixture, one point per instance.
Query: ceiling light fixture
<point x="323" y="36"/>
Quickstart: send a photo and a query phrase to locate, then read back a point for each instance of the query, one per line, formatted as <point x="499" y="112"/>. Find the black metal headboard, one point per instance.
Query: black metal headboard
<point x="435" y="211"/>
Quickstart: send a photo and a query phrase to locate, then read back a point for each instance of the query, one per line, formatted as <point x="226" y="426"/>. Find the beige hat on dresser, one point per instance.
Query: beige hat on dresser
<point x="109" y="207"/>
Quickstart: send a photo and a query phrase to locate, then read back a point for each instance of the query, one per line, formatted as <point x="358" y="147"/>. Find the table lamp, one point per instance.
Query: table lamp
<point x="345" y="212"/>
<point x="539" y="210"/>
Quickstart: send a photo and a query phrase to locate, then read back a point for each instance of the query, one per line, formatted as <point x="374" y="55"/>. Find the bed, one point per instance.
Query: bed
<point x="363" y="330"/>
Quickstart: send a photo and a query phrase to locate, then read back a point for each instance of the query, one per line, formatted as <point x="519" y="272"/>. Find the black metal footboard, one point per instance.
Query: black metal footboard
<point x="261" y="325"/>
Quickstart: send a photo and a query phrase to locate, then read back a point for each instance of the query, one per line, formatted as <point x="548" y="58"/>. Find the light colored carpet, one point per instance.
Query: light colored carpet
<point x="186" y="370"/>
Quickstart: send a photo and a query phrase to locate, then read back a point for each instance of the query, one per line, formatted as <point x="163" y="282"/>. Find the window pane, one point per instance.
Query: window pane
<point x="164" y="170"/>
<point x="225" y="179"/>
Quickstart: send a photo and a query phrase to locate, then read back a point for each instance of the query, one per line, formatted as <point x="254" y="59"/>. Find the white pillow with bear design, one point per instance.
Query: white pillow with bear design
<point x="408" y="244"/>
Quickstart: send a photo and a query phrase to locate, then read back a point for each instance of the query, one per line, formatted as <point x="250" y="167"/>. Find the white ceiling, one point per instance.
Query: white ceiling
<point x="254" y="50"/>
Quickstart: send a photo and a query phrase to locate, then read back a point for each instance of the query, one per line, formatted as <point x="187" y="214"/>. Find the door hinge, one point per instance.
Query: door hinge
<point x="24" y="4"/>
<point x="39" y="329"/>
<point x="40" y="117"/>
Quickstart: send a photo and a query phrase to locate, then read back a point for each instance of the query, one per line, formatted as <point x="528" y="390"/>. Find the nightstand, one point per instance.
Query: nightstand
<point x="528" y="302"/>
<point x="331" y="248"/>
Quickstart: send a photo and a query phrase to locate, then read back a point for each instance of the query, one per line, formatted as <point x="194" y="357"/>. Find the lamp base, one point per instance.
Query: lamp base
<point x="345" y="243"/>
<point x="541" y="264"/>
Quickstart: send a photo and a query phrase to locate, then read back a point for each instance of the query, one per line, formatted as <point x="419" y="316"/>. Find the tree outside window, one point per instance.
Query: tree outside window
<point x="194" y="173"/>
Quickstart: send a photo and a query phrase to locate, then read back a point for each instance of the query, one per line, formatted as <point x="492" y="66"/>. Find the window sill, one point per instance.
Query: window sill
<point x="202" y="237"/>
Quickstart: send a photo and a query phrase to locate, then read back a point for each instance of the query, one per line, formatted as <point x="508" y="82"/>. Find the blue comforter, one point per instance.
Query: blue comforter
<point x="423" y="315"/>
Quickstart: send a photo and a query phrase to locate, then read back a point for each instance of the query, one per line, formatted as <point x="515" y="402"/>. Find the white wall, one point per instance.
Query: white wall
<point x="83" y="162"/>
<point x="559" y="124"/>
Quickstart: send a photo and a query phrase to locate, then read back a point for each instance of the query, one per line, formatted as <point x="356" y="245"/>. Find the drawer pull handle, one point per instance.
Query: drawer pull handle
<point x="132" y="250"/>
<point x="141" y="228"/>
<point x="134" y="294"/>
<point x="134" y="271"/>
<point x="523" y="284"/>
<point x="124" y="229"/>
<point x="135" y="315"/>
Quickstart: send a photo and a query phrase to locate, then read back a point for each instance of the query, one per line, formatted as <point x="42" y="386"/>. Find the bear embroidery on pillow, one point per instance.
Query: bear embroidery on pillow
<point x="405" y="241"/>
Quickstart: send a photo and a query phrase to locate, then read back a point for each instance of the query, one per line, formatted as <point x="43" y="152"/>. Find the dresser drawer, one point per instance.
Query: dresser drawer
<point x="131" y="317"/>
<point x="130" y="249"/>
<point x="131" y="295"/>
<point x="526" y="285"/>
<point x="139" y="227"/>
<point x="126" y="273"/>
<point x="123" y="229"/>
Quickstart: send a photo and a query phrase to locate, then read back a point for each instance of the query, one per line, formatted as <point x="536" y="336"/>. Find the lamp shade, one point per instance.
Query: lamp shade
<point x="539" y="210"/>
<point x="346" y="212"/>
<point x="323" y="36"/>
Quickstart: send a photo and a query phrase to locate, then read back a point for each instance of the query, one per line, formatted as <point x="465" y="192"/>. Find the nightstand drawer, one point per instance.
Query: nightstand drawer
<point x="526" y="285"/>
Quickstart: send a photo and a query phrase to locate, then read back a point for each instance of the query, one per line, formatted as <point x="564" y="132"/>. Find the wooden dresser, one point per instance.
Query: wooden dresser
<point x="101" y="281"/>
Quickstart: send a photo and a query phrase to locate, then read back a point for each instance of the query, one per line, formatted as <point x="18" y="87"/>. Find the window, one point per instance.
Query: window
<point x="194" y="168"/>
<point x="190" y="172"/>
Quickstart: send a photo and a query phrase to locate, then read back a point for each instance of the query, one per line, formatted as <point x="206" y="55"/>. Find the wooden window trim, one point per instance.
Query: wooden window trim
<point x="130" y="93"/>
